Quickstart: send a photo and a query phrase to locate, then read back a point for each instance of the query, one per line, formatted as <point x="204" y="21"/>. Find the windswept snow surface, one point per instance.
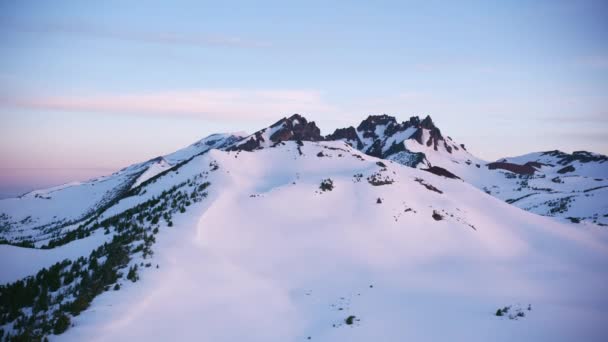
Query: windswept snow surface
<point x="269" y="256"/>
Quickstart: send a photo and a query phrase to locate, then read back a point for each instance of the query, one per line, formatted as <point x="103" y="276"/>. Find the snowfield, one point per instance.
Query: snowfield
<point x="294" y="261"/>
<point x="315" y="240"/>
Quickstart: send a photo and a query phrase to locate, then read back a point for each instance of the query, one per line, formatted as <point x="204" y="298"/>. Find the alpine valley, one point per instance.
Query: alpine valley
<point x="388" y="231"/>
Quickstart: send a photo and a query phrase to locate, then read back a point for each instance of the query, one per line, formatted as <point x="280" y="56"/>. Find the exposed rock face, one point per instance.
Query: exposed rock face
<point x="250" y="144"/>
<point x="383" y="137"/>
<point x="434" y="134"/>
<point x="579" y="156"/>
<point x="296" y="127"/>
<point x="527" y="169"/>
<point x="348" y="134"/>
<point x="441" y="172"/>
<point x="566" y="169"/>
<point x="380" y="136"/>
<point x="368" y="126"/>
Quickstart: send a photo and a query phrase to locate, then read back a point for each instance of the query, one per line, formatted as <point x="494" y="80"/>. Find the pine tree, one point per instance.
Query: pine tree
<point x="62" y="323"/>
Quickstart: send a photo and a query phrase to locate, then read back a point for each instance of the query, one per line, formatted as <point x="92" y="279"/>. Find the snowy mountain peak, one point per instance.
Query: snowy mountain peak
<point x="373" y="121"/>
<point x="427" y="123"/>
<point x="296" y="127"/>
<point x="383" y="136"/>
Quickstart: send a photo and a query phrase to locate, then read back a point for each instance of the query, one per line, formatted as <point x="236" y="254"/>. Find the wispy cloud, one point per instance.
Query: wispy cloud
<point x="144" y="36"/>
<point x="225" y="104"/>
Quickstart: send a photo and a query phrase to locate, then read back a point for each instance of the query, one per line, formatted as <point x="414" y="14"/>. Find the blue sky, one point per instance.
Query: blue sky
<point x="97" y="86"/>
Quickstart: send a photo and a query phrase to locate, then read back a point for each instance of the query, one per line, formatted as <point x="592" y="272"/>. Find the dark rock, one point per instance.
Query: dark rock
<point x="372" y="121"/>
<point x="296" y="127"/>
<point x="566" y="169"/>
<point x="253" y="143"/>
<point x="580" y="156"/>
<point x="428" y="186"/>
<point x="349" y="134"/>
<point x="437" y="216"/>
<point x="526" y="169"/>
<point x="427" y="123"/>
<point x="439" y="171"/>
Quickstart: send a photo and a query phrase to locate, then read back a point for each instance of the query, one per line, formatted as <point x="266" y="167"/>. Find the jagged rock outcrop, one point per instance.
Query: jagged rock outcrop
<point x="294" y="128"/>
<point x="579" y="156"/>
<point x="348" y="134"/>
<point x="383" y="136"/>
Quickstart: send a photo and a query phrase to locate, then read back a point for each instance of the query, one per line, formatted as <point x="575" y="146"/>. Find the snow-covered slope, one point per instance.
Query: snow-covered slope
<point x="42" y="214"/>
<point x="275" y="258"/>
<point x="302" y="240"/>
<point x="293" y="240"/>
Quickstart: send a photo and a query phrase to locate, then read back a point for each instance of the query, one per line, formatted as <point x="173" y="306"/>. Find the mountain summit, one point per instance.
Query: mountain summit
<point x="296" y="127"/>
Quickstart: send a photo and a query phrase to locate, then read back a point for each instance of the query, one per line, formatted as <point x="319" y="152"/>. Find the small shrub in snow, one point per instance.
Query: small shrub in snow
<point x="132" y="275"/>
<point x="512" y="312"/>
<point x="377" y="179"/>
<point x="350" y="320"/>
<point x="327" y="185"/>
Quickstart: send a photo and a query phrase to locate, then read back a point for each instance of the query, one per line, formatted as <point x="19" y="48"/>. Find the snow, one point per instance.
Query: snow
<point x="60" y="205"/>
<point x="280" y="265"/>
<point x="201" y="146"/>
<point x="398" y="138"/>
<point x="158" y="167"/>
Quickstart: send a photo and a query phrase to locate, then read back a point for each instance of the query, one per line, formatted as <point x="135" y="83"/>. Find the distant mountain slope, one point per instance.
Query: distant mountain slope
<point x="572" y="187"/>
<point x="42" y="214"/>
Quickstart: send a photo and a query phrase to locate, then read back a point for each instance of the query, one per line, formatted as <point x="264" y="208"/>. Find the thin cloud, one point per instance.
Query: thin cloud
<point x="208" y="104"/>
<point x="154" y="37"/>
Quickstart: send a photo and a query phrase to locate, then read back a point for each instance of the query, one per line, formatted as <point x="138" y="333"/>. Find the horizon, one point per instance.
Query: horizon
<point x="100" y="87"/>
<point x="13" y="181"/>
